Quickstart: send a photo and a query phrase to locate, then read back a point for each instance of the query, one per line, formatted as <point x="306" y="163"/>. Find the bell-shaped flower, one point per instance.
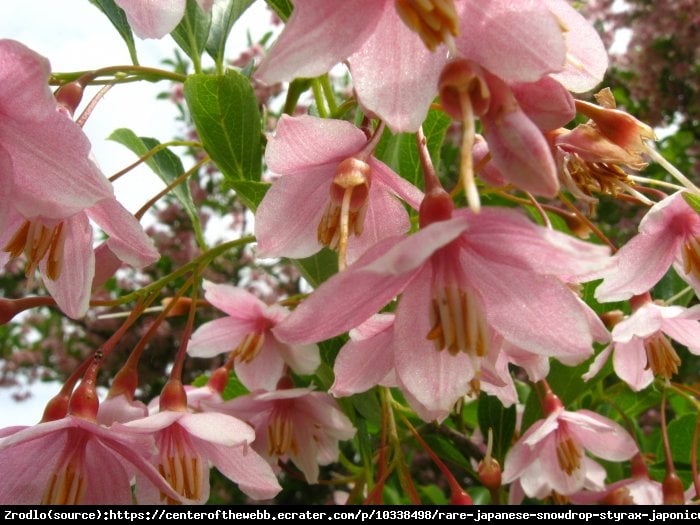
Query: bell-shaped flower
<point x="326" y="180"/>
<point x="64" y="461"/>
<point x="260" y="358"/>
<point x="448" y="316"/>
<point x="550" y="455"/>
<point x="668" y="234"/>
<point x="294" y="424"/>
<point x="156" y="18"/>
<point x="51" y="189"/>
<point x="395" y="73"/>
<point x="641" y="347"/>
<point x="187" y="443"/>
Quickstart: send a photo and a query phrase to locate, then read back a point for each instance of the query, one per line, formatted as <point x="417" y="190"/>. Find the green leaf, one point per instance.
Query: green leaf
<point x="680" y="437"/>
<point x="251" y="192"/>
<point x="234" y="388"/>
<point x="192" y="32"/>
<point x="164" y="163"/>
<point x="117" y="16"/>
<point x="493" y="415"/>
<point x="223" y="16"/>
<point x="319" y="267"/>
<point x="399" y="151"/>
<point x="283" y="8"/>
<point x="225" y="112"/>
<point x="692" y="200"/>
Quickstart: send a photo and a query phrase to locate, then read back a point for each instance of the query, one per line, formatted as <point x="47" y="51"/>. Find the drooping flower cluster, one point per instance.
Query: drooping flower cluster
<point x="447" y="299"/>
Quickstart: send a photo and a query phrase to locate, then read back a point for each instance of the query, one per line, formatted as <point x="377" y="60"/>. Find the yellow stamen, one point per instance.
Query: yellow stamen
<point x="691" y="257"/>
<point x="181" y="468"/>
<point x="435" y="21"/>
<point x="250" y="347"/>
<point x="568" y="455"/>
<point x="39" y="242"/>
<point x="280" y="435"/>
<point x="661" y="357"/>
<point x="458" y="323"/>
<point x="347" y="207"/>
<point x="67" y="484"/>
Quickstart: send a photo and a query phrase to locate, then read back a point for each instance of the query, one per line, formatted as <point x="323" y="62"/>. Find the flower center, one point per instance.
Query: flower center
<point x="691" y="256"/>
<point x="67" y="484"/>
<point x="568" y="453"/>
<point x="39" y="242"/>
<point x="250" y="347"/>
<point x="661" y="357"/>
<point x="458" y="322"/>
<point x="435" y="21"/>
<point x="181" y="467"/>
<point x="346" y="209"/>
<point x="280" y="435"/>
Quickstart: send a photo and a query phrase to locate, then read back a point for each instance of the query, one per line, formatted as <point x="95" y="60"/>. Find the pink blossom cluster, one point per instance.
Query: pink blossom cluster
<point x="442" y="296"/>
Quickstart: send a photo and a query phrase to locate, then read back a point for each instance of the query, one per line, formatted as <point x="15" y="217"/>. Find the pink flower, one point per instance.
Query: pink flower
<point x="463" y="281"/>
<point x="302" y="210"/>
<point x="296" y="424"/>
<point x="668" y="234"/>
<point x="260" y="357"/>
<point x="187" y="443"/>
<point x="50" y="189"/>
<point x="550" y="455"/>
<point x="67" y="461"/>
<point x="156" y="18"/>
<point x="518" y="42"/>
<point x="640" y="344"/>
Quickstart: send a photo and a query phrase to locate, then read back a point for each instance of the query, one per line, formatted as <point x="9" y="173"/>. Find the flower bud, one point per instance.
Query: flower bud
<point x="461" y="498"/>
<point x="489" y="472"/>
<point x="673" y="489"/>
<point x="69" y="96"/>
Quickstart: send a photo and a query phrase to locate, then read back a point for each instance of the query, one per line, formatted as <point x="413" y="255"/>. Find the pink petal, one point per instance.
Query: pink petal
<point x="630" y="364"/>
<point x="286" y="222"/>
<point x="546" y="103"/>
<point x="637" y="266"/>
<point x="106" y="265"/>
<point x="395" y="75"/>
<point x="219" y="429"/>
<point x="265" y="370"/>
<point x="238" y="303"/>
<point x="72" y="288"/>
<point x="303" y="359"/>
<point x="119" y="409"/>
<point x="353" y="296"/>
<point x="521" y="153"/>
<point x="684" y="328"/>
<point x="601" y="436"/>
<point x="218" y="336"/>
<point x="598" y="363"/>
<point x="643" y="322"/>
<point x="519" y="42"/>
<point x="305" y="457"/>
<point x="385" y="217"/>
<point x="114" y="489"/>
<point x="52" y="174"/>
<point x="127" y="239"/>
<point x="434" y="379"/>
<point x="521" y="454"/>
<point x="153" y="18"/>
<point x="318" y="35"/>
<point x="247" y="469"/>
<point x="303" y="142"/>
<point x="384" y="175"/>
<point x="367" y="359"/>
<point x="537" y="313"/>
<point x="586" y="57"/>
<point x="324" y="410"/>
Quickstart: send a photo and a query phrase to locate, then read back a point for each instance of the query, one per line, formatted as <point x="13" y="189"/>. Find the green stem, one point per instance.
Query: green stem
<point x="117" y="74"/>
<point x="197" y="262"/>
<point x="318" y="97"/>
<point x="153" y="151"/>
<point x="328" y="92"/>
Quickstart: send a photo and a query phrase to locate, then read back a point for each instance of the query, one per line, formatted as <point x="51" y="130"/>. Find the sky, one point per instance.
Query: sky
<point x="74" y="35"/>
